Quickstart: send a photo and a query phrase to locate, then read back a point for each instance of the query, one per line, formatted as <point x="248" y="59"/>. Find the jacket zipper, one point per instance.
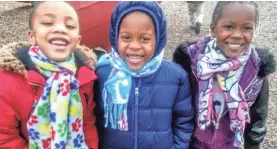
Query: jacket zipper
<point x="216" y="126"/>
<point x="36" y="100"/>
<point x="136" y="115"/>
<point x="217" y="122"/>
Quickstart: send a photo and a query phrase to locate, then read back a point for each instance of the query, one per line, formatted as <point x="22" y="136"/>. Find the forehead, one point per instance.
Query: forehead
<point x="61" y="9"/>
<point x="137" y="13"/>
<point x="238" y="12"/>
<point x="137" y="18"/>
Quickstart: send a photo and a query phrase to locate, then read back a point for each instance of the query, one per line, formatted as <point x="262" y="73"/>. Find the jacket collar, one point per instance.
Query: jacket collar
<point x="85" y="75"/>
<point x="14" y="57"/>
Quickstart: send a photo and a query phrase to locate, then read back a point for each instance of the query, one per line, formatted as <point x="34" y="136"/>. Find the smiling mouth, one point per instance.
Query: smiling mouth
<point x="59" y="42"/>
<point x="134" y="58"/>
<point x="234" y="46"/>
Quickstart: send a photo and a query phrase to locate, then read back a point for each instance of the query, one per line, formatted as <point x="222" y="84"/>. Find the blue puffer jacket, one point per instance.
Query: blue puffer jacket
<point x="160" y="111"/>
<point x="160" y="115"/>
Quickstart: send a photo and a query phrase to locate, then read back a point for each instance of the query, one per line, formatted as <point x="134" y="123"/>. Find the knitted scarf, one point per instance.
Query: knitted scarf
<point x="57" y="119"/>
<point x="213" y="65"/>
<point x="117" y="88"/>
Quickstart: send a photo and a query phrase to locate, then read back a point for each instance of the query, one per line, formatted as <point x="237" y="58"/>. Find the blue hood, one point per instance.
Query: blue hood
<point x="152" y="8"/>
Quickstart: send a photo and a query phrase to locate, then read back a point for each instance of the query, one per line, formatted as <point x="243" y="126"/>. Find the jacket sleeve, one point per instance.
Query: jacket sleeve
<point x="90" y="131"/>
<point x="183" y="115"/>
<point x="103" y="74"/>
<point x="98" y="112"/>
<point x="256" y="130"/>
<point x="9" y="123"/>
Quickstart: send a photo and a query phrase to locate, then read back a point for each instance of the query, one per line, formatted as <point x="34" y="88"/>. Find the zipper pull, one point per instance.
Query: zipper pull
<point x="136" y="91"/>
<point x="216" y="125"/>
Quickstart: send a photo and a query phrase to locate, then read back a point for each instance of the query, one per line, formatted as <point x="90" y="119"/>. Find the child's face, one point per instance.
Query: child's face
<point x="136" y="39"/>
<point x="235" y="28"/>
<point x="55" y="30"/>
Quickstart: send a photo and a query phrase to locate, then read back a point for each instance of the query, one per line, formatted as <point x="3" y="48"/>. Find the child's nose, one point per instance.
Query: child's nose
<point x="59" y="28"/>
<point x="134" y="45"/>
<point x="237" y="33"/>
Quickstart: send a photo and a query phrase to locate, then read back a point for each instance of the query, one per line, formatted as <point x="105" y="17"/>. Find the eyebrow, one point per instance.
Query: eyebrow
<point x="235" y="22"/>
<point x="53" y="16"/>
<point x="149" y="32"/>
<point x="49" y="15"/>
<point x="68" y="18"/>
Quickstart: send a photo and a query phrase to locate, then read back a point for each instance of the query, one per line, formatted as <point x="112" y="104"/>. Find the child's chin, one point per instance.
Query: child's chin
<point x="232" y="54"/>
<point x="134" y="68"/>
<point x="58" y="58"/>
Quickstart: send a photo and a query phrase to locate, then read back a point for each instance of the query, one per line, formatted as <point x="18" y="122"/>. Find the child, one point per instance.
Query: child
<point x="52" y="106"/>
<point x="143" y="104"/>
<point x="229" y="80"/>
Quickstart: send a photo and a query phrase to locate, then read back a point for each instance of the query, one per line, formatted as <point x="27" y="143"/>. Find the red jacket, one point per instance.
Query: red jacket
<point x="17" y="96"/>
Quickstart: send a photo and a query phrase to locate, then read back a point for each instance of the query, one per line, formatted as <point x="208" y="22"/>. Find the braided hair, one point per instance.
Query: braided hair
<point x="221" y="4"/>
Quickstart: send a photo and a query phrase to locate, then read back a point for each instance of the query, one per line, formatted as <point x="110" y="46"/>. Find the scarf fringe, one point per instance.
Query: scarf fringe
<point x="116" y="116"/>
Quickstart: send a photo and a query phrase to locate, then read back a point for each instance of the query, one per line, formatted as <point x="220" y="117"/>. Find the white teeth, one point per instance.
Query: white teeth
<point x="134" y="56"/>
<point x="58" y="42"/>
<point x="234" y="45"/>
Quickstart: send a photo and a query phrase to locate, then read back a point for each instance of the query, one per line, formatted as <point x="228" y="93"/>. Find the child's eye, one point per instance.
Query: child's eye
<point x="70" y="26"/>
<point x="145" y="39"/>
<point x="47" y="23"/>
<point x="248" y="28"/>
<point x="228" y="26"/>
<point x="125" y="38"/>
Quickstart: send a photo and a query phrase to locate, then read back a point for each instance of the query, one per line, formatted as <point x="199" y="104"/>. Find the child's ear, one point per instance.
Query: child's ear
<point x="32" y="38"/>
<point x="212" y="30"/>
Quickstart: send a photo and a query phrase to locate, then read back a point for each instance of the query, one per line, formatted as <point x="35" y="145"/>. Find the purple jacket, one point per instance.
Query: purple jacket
<point x="255" y="86"/>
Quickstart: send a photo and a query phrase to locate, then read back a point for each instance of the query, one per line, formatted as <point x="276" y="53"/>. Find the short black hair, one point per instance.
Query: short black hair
<point x="221" y="4"/>
<point x="31" y="15"/>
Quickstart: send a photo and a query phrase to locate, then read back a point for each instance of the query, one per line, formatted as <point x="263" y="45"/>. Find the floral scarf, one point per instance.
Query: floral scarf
<point x="57" y="119"/>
